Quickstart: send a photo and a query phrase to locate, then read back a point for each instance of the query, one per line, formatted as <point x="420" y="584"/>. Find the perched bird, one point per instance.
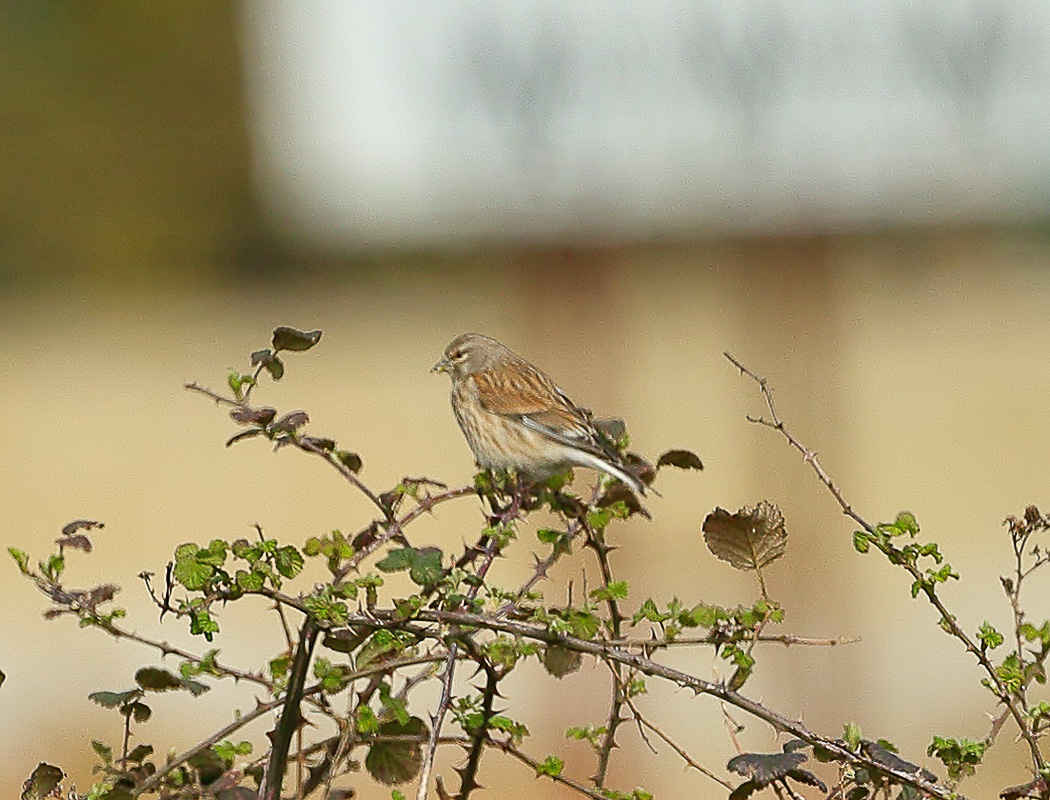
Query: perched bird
<point x="514" y="416"/>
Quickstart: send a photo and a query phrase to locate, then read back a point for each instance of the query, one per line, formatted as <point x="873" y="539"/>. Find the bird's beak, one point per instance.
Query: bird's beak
<point x="441" y="366"/>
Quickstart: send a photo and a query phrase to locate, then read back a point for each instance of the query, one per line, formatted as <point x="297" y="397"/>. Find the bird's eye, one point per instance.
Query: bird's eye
<point x="458" y="355"/>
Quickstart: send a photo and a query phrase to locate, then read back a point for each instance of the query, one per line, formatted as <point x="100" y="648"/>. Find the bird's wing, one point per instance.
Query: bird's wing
<point x="532" y="398"/>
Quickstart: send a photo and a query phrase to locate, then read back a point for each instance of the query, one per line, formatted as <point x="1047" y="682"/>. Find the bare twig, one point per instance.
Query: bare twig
<point x="491" y="550"/>
<point x="809" y="456"/>
<point x="786" y="639"/>
<point x="396" y="526"/>
<point x="508" y="747"/>
<point x="1002" y="693"/>
<point x="308" y="446"/>
<point x="596" y="540"/>
<point x="644" y="723"/>
<point x="290" y="716"/>
<point x="156" y="778"/>
<point x="218" y="398"/>
<point x="573" y="528"/>
<point x="649" y="667"/>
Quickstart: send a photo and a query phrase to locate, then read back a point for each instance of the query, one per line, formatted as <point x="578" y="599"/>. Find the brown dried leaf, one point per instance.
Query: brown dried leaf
<point x="78" y="542"/>
<point x="749" y="539"/>
<point x="254" y="416"/>
<point x="290" y="422"/>
<point x="81" y="524"/>
<point x="683" y="459"/>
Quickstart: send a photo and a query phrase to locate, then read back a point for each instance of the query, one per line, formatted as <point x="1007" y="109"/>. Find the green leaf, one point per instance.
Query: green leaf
<point x="588" y="733"/>
<point x="155" y="679"/>
<point x="289" y="561"/>
<point x="367" y="722"/>
<point x="352" y="461"/>
<point x="381" y="646"/>
<point x="426" y="567"/>
<point x="1034" y="634"/>
<point x="583" y="624"/>
<point x="113" y="699"/>
<point x="861" y="541"/>
<point x="196" y="688"/>
<point x="424" y="564"/>
<point x="636" y="687"/>
<point x="600" y="518"/>
<point x="551" y="765"/>
<point x="238" y="381"/>
<point x="188" y="571"/>
<point x="906" y="523"/>
<point x="1011" y="673"/>
<point x="53" y="567"/>
<point x="549" y="535"/>
<point x="275" y="367"/>
<point x="1039" y="711"/>
<point x="616" y="590"/>
<point x="21" y="558"/>
<point x="261" y="356"/>
<point x="140" y="712"/>
<point x="202" y="623"/>
<point x="396" y="762"/>
<point x="560" y="661"/>
<point x="503" y="651"/>
<point x="960" y="756"/>
<point x="332" y="677"/>
<point x="851" y="733"/>
<point x="103" y="751"/>
<point x="140" y="752"/>
<point x="392" y="705"/>
<point x="989" y="636"/>
<point x="396" y="560"/>
<point x="249" y="581"/>
<point x="228" y="751"/>
<point x="517" y="730"/>
<point x="214" y="555"/>
<point x="279" y="666"/>
<point x="42" y="783"/>
<point x="325" y="608"/>
<point x="295" y="340"/>
<point x="650" y="613"/>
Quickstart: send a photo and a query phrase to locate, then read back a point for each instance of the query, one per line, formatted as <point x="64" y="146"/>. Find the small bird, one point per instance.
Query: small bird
<point x="514" y="416"/>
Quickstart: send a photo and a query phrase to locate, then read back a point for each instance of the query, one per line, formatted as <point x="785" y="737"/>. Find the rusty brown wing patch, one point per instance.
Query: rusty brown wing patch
<point x="515" y="389"/>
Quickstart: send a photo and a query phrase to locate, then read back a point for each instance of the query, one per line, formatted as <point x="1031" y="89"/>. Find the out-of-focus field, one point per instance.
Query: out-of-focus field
<point x="921" y="384"/>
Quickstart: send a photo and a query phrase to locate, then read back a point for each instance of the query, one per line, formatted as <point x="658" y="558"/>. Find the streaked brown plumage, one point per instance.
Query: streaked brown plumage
<point x="514" y="416"/>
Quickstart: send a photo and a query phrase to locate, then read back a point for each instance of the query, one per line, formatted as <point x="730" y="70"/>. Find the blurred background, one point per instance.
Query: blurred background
<point x="851" y="198"/>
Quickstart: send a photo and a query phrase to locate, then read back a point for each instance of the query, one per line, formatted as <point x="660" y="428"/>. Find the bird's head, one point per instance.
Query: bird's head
<point x="469" y="353"/>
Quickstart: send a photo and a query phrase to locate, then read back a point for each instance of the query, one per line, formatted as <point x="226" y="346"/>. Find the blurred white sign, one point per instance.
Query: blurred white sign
<point x="380" y="121"/>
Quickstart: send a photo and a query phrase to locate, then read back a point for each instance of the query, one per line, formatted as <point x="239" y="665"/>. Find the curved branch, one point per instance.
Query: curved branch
<point x="1002" y="693"/>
